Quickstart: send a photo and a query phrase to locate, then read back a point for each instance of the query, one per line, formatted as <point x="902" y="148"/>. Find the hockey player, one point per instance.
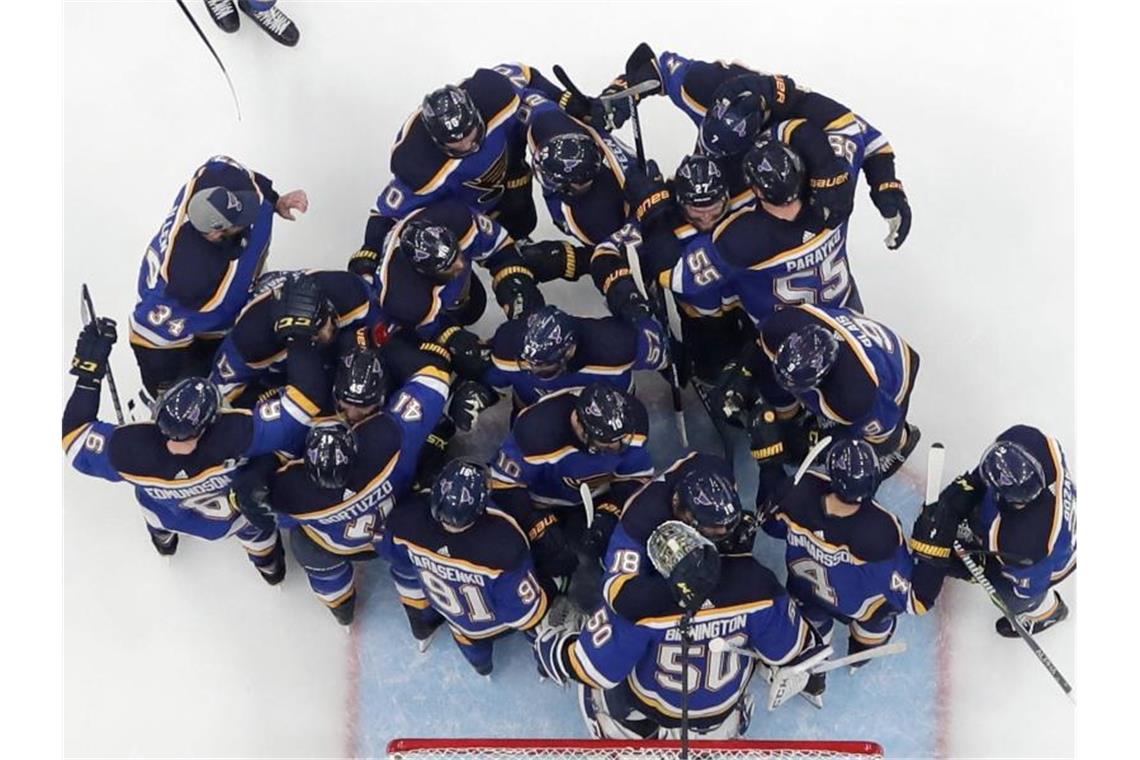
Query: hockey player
<point x="199" y="268"/>
<point x="731" y="104"/>
<point x="843" y="374"/>
<point x="552" y="350"/>
<point x="460" y="560"/>
<point x="465" y="142"/>
<point x="594" y="436"/>
<point x="183" y="462"/>
<point x="697" y="489"/>
<point x="339" y="302"/>
<point x="629" y="660"/>
<point x="425" y="279"/>
<point x="264" y="13"/>
<point x="847" y="556"/>
<point x="338" y="495"/>
<point x="582" y="173"/>
<point x="1020" y="506"/>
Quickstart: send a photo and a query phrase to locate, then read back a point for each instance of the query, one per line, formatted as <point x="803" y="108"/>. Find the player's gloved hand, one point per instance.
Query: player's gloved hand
<point x="553" y="557"/>
<point x="249" y="493"/>
<point x="597" y="538"/>
<point x="743" y="536"/>
<point x="550" y="645"/>
<point x="963" y="495"/>
<point x="581" y="107"/>
<point x="730" y="395"/>
<point x="648" y="194"/>
<point x="433" y="455"/>
<point x="554" y="260"/>
<point x="92" y="349"/>
<point x="766" y="436"/>
<point x="642" y="66"/>
<point x="615" y="113"/>
<point x="517" y="293"/>
<point x="934" y="533"/>
<point x="297" y="312"/>
<point x="790" y="679"/>
<point x="832" y="198"/>
<point x="624" y="300"/>
<point x="890" y="199"/>
<point x="364" y="262"/>
<point x="468" y="401"/>
<point x="470" y="356"/>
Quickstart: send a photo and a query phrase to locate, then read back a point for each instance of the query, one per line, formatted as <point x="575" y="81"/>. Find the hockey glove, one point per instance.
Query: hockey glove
<point x="553" y="557"/>
<point x="517" y="293"/>
<point x="934" y="533"/>
<point x="92" y="349"/>
<point x="648" y="195"/>
<point x="550" y="647"/>
<point x="297" y="312"/>
<point x="743" y="536"/>
<point x="470" y="357"/>
<point x="766" y="436"/>
<point x="249" y="492"/>
<point x="890" y="199"/>
<point x="554" y="260"/>
<point x="433" y="455"/>
<point x="731" y="394"/>
<point x="612" y="115"/>
<point x="597" y="538"/>
<point x="364" y="262"/>
<point x="468" y="401"/>
<point x="624" y="300"/>
<point x="832" y="198"/>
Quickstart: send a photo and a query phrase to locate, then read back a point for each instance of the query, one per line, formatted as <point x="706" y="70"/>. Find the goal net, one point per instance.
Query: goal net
<point x="567" y="749"/>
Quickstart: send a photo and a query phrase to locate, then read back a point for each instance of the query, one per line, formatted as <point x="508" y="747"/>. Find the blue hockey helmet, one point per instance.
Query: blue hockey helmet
<point x="549" y="341"/>
<point x="360" y="378"/>
<point x="708" y="501"/>
<point x="805" y="357"/>
<point x="854" y="470"/>
<point x="330" y="448"/>
<point x="187" y="408"/>
<point x="431" y="248"/>
<point x="605" y="415"/>
<point x="567" y="164"/>
<point x="449" y="114"/>
<point x="459" y="495"/>
<point x="1014" y="473"/>
<point x="775" y="172"/>
<point x="737" y="113"/>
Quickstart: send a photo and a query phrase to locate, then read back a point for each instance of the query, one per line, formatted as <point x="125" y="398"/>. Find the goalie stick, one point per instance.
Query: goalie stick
<point x="934" y="463"/>
<point x="87" y="310"/>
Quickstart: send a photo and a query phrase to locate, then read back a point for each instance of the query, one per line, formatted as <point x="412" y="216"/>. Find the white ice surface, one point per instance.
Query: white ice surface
<point x="198" y="658"/>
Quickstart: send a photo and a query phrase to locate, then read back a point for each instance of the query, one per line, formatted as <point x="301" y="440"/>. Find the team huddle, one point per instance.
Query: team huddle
<point x="318" y="406"/>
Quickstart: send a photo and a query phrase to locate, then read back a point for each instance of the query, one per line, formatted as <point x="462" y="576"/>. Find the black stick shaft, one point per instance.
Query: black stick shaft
<point x="90" y="307"/>
<point x="214" y="53"/>
<point x="984" y="582"/>
<point x="685" y="639"/>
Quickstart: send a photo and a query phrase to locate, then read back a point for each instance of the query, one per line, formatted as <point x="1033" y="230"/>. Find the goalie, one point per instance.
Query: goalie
<point x="628" y="659"/>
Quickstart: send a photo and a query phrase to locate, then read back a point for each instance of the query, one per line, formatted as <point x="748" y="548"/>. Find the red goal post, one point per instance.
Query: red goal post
<point x="576" y="749"/>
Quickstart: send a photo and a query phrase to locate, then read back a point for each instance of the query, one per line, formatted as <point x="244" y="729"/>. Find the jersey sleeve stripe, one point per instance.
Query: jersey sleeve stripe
<point x="585" y="670"/>
<point x="553" y="456"/>
<point x="435" y="380"/>
<point x="223" y="288"/>
<point x="75" y="434"/>
<point x="307" y="408"/>
<point x="692" y="103"/>
<point x="843" y="121"/>
<point x="1058" y="494"/>
<point x="440" y="177"/>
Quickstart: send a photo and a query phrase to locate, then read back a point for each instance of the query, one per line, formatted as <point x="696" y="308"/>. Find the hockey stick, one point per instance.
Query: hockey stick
<point x="980" y="576"/>
<point x="214" y="53"/>
<point x="587" y="503"/>
<point x="686" y="640"/>
<point x="87" y="308"/>
<point x="895" y="647"/>
<point x="810" y="458"/>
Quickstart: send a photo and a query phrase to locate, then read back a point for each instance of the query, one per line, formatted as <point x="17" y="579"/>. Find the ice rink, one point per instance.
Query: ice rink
<point x="196" y="657"/>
